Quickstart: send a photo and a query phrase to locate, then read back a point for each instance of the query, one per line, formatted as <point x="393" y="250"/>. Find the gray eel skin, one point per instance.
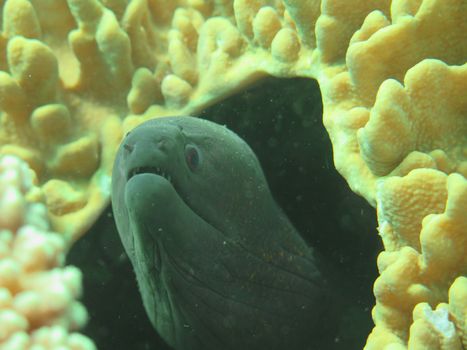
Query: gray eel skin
<point x="218" y="264"/>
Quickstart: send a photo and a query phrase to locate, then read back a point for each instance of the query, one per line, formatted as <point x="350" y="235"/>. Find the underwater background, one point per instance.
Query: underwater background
<point x="281" y="119"/>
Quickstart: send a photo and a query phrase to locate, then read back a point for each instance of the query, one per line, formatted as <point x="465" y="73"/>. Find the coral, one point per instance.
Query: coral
<point x="77" y="74"/>
<point x="421" y="270"/>
<point x="37" y="292"/>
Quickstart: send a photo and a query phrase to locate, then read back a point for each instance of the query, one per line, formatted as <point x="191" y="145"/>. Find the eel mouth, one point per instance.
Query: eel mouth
<point x="149" y="170"/>
<point x="163" y="173"/>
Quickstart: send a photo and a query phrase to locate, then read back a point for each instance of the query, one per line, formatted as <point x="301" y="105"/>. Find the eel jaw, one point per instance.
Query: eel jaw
<point x="149" y="170"/>
<point x="163" y="173"/>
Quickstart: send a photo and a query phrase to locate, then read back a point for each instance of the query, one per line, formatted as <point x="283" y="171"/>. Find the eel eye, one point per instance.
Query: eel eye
<point x="192" y="157"/>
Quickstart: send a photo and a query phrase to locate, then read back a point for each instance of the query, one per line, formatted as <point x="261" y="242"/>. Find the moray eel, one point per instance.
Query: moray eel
<point x="218" y="264"/>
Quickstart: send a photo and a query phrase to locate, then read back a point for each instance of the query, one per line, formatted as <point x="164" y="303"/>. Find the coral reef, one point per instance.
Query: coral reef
<point x="37" y="292"/>
<point x="76" y="74"/>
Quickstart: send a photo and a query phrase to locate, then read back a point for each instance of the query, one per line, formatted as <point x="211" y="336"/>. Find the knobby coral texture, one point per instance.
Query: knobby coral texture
<point x="37" y="292"/>
<point x="77" y="74"/>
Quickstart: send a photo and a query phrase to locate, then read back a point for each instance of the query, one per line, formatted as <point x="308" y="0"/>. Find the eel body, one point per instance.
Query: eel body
<point x="218" y="264"/>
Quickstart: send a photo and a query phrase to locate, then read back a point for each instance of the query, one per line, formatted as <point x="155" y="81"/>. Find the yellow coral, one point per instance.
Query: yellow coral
<point x="76" y="74"/>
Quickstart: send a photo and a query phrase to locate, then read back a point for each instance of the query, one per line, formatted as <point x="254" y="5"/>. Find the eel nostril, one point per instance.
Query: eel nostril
<point x="161" y="144"/>
<point x="128" y="148"/>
